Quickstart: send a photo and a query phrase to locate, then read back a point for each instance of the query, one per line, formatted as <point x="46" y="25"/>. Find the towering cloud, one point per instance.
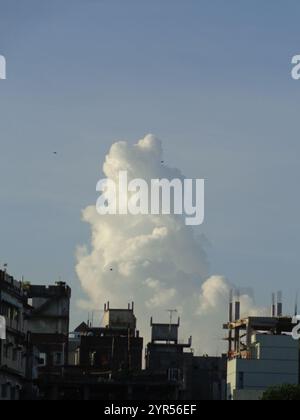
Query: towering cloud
<point x="156" y="261"/>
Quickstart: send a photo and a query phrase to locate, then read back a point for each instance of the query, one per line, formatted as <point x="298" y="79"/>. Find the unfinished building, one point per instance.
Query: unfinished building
<point x="261" y="352"/>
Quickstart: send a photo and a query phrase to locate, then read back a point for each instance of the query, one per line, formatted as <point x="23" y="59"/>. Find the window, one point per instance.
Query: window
<point x="4" y="391"/>
<point x="42" y="359"/>
<point x="241" y="380"/>
<point x="15" y="355"/>
<point x="58" y="359"/>
<point x="13" y="393"/>
<point x="6" y="352"/>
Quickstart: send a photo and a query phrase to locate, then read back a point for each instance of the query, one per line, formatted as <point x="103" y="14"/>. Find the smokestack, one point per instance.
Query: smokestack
<point x="279" y="304"/>
<point x="273" y="310"/>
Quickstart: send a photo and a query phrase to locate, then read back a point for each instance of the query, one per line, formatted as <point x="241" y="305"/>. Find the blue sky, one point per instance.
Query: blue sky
<point x="211" y="78"/>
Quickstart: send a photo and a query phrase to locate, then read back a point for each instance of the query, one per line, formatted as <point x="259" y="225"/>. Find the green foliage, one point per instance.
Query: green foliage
<point x="282" y="393"/>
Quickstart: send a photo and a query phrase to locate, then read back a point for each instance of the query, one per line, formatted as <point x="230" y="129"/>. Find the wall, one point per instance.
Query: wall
<point x="276" y="362"/>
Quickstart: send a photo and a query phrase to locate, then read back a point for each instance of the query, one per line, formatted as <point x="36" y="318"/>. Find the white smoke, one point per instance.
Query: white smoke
<point x="155" y="261"/>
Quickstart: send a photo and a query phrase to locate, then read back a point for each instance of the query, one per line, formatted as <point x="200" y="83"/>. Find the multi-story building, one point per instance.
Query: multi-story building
<point x="49" y="322"/>
<point x="205" y="378"/>
<point x="261" y="354"/>
<point x="165" y="354"/>
<point x="115" y="346"/>
<point x="105" y="362"/>
<point x="13" y="349"/>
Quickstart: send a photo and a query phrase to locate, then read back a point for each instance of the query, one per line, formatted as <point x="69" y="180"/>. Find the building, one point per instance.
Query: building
<point x="13" y="350"/>
<point x="49" y="322"/>
<point x="115" y="346"/>
<point x="166" y="355"/>
<point x="205" y="378"/>
<point x="261" y="354"/>
<point x="105" y="362"/>
<point x="197" y="378"/>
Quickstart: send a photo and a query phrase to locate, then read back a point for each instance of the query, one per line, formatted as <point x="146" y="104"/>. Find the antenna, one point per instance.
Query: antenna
<point x="172" y="312"/>
<point x="296" y="305"/>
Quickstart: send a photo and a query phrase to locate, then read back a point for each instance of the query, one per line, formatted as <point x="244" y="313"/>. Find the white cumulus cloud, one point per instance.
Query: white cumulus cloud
<point x="156" y="261"/>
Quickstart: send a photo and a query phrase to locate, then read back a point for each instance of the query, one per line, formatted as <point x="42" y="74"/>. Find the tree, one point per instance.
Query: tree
<point x="282" y="393"/>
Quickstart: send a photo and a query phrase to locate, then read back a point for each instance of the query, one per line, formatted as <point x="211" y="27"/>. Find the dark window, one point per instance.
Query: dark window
<point x="241" y="380"/>
<point x="4" y="389"/>
<point x="58" y="359"/>
<point x="15" y="355"/>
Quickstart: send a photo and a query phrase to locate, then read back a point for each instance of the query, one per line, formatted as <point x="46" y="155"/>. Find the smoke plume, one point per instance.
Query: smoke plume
<point x="156" y="261"/>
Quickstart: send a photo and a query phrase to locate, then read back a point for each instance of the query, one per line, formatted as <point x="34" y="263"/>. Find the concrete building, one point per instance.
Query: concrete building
<point x="115" y="346"/>
<point x="106" y="364"/>
<point x="13" y="350"/>
<point x="261" y="354"/>
<point x="165" y="354"/>
<point x="206" y="378"/>
<point x="49" y="322"/>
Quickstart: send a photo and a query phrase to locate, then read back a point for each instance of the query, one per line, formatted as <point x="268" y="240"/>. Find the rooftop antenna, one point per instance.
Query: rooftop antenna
<point x="296" y="305"/>
<point x="172" y="312"/>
